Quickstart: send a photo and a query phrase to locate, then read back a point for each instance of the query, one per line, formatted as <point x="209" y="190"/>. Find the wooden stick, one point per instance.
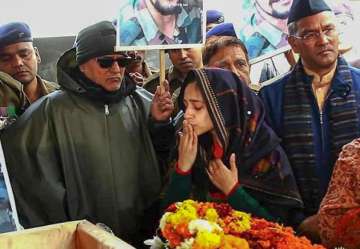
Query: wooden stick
<point x="162" y="66"/>
<point x="291" y="57"/>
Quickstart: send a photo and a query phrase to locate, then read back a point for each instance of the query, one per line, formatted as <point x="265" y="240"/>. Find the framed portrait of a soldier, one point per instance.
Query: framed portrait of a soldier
<point x="8" y="216"/>
<point x="160" y="24"/>
<point x="263" y="27"/>
<point x="260" y="24"/>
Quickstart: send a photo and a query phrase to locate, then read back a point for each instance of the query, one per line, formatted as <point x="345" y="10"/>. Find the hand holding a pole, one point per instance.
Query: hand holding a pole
<point x="162" y="105"/>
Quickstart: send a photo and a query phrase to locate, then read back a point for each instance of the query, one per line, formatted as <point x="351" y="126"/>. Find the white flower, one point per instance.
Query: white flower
<point x="186" y="244"/>
<point x="155" y="243"/>
<point x="203" y="225"/>
<point x="163" y="220"/>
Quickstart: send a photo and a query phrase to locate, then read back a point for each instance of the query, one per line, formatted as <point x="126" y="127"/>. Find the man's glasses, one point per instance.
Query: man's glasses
<point x="108" y="62"/>
<point x="330" y="32"/>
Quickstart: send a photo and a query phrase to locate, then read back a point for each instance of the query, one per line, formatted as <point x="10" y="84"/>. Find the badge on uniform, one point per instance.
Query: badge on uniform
<point x="7" y="116"/>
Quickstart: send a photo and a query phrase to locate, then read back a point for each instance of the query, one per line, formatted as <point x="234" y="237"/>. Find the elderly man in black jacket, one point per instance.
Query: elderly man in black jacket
<point x="86" y="152"/>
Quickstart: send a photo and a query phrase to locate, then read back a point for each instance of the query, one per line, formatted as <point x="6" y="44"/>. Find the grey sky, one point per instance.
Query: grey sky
<point x="60" y="17"/>
<point x="67" y="17"/>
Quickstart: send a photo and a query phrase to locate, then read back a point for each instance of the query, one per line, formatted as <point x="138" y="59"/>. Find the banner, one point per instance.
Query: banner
<point x="262" y="26"/>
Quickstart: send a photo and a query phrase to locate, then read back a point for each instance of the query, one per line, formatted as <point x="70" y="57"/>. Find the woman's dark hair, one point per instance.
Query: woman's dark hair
<point x="189" y="79"/>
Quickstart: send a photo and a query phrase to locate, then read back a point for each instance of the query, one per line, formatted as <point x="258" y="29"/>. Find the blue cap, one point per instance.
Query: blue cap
<point x="304" y="8"/>
<point x="14" y="32"/>
<point x="223" y="29"/>
<point x="214" y="16"/>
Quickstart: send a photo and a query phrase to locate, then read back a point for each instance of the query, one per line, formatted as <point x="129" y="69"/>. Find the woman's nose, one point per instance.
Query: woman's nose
<point x="188" y="114"/>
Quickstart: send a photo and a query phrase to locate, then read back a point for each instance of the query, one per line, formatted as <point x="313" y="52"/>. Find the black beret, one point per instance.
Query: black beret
<point x="14" y="32"/>
<point x="214" y="16"/>
<point x="303" y="8"/>
<point x="94" y="41"/>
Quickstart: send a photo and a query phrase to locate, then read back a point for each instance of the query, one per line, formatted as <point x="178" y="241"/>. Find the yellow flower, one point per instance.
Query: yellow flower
<point x="230" y="242"/>
<point x="243" y="221"/>
<point x="207" y="240"/>
<point x="188" y="202"/>
<point x="244" y="216"/>
<point x="211" y="215"/>
<point x="185" y="212"/>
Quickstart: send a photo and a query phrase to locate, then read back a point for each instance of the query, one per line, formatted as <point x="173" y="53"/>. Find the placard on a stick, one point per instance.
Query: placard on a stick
<point x="262" y="26"/>
<point x="160" y="24"/>
<point x="8" y="216"/>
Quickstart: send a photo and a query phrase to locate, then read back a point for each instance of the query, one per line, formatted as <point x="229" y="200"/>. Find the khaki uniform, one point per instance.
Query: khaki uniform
<point x="171" y="75"/>
<point x="12" y="92"/>
<point x="149" y="70"/>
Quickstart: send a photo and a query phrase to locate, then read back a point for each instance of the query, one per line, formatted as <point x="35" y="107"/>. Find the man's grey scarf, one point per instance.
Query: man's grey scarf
<point x="298" y="138"/>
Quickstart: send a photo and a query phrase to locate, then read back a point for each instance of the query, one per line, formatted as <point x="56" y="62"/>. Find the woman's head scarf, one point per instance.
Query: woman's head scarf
<point x="238" y="116"/>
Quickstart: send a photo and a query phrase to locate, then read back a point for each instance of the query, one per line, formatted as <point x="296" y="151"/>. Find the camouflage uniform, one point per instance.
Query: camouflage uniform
<point x="259" y="36"/>
<point x="138" y="28"/>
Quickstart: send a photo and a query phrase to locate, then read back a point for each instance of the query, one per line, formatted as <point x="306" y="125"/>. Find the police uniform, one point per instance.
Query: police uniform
<point x="223" y="29"/>
<point x="12" y="95"/>
<point x="214" y="16"/>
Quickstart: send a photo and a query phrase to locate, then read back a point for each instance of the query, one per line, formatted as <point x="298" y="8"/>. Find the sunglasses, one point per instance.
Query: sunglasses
<point x="107" y="62"/>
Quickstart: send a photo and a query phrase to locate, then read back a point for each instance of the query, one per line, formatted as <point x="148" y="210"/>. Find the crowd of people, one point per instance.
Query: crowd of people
<point x="108" y="143"/>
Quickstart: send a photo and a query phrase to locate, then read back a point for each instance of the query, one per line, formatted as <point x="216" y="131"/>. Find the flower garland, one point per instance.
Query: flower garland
<point x="205" y="225"/>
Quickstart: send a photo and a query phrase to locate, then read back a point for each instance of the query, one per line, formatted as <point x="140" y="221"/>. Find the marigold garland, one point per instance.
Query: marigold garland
<point x="204" y="225"/>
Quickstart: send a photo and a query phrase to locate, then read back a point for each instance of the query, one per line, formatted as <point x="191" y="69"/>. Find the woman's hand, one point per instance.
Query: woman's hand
<point x="310" y="228"/>
<point x="223" y="178"/>
<point x="187" y="147"/>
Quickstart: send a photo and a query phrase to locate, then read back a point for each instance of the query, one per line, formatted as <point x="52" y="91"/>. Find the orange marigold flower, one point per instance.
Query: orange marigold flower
<point x="183" y="230"/>
<point x="224" y="228"/>
<point x="230" y="242"/>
